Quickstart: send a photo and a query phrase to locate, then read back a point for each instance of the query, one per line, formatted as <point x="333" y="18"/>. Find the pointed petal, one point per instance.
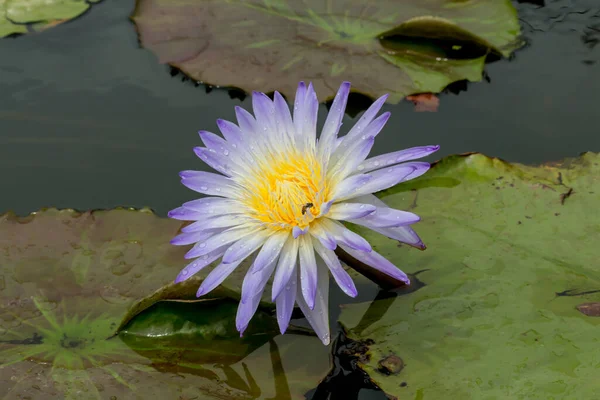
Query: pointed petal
<point x="221" y="162"/>
<point x="252" y="289"/>
<point x="220" y="239"/>
<point x="216" y="277"/>
<point x="270" y="251"/>
<point x="346" y="211"/>
<point x="308" y="270"/>
<point x="385" y="217"/>
<point x="283" y="118"/>
<point x="358" y="128"/>
<point x="285" y="302"/>
<point x="348" y="163"/>
<point x="286" y="266"/>
<point x="218" y="222"/>
<point x="299" y="111"/>
<point x="340" y="275"/>
<point x="385" y="160"/>
<point x="244" y="247"/>
<point x="333" y="122"/>
<point x="215" y="206"/>
<point x="385" y="178"/>
<point x="318" y="317"/>
<point x="404" y="234"/>
<point x="349" y="187"/>
<point x="184" y="214"/>
<point x="183" y="239"/>
<point x="343" y="235"/>
<point x="199" y="264"/>
<point x="323" y="236"/>
<point x="378" y="262"/>
<point x="210" y="184"/>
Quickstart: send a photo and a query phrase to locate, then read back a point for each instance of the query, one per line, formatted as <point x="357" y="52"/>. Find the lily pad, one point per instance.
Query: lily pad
<point x="67" y="280"/>
<point x="17" y="15"/>
<point x="400" y="48"/>
<point x="512" y="253"/>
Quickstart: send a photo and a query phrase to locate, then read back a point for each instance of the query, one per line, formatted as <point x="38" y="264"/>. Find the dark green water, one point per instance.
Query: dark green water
<point x="90" y="120"/>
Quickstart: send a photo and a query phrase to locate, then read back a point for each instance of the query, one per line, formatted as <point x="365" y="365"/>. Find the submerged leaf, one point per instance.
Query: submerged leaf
<point x="391" y="47"/>
<point x="512" y="251"/>
<point x="17" y="15"/>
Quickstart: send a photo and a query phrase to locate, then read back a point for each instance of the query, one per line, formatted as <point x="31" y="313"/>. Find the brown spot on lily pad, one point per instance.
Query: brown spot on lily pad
<point x="390" y="365"/>
<point x="590" y="309"/>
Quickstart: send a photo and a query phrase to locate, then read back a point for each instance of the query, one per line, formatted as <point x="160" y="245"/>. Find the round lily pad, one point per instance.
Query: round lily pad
<point x="393" y="47"/>
<point x="68" y="279"/>
<point x="17" y="15"/>
<point x="512" y="253"/>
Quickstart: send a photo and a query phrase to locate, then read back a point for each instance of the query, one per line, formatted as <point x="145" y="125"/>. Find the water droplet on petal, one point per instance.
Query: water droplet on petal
<point x="376" y="163"/>
<point x="203" y="188"/>
<point x="226" y="152"/>
<point x="202" y="245"/>
<point x="361" y="167"/>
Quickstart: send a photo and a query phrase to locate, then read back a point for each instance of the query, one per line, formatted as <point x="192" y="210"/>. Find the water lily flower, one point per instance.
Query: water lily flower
<point x="280" y="193"/>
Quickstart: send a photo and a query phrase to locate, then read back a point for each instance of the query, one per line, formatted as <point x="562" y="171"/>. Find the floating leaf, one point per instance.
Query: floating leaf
<point x="512" y="251"/>
<point x="392" y="47"/>
<point x="17" y="15"/>
<point x="67" y="280"/>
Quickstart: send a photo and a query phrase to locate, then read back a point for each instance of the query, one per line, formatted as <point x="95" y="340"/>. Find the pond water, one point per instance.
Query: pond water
<point x="89" y="120"/>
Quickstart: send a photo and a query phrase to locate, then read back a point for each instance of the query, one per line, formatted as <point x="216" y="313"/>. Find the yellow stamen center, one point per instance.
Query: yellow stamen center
<point x="287" y="191"/>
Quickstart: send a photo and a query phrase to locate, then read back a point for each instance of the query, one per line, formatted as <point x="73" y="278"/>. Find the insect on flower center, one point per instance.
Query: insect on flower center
<point x="287" y="191"/>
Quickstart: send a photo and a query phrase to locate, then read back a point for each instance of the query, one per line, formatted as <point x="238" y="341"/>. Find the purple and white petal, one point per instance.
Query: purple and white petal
<point x="218" y="161"/>
<point x="216" y="277"/>
<point x="378" y="262"/>
<point x="285" y="302"/>
<point x="347" y="211"/>
<point x="358" y="128"/>
<point x="386" y="178"/>
<point x="404" y="234"/>
<point x="283" y="119"/>
<point x="216" y="205"/>
<point x="185" y="214"/>
<point x="286" y="266"/>
<point x="343" y="235"/>
<point x="199" y="264"/>
<point x="318" y="317"/>
<point x="347" y="164"/>
<point x="338" y="272"/>
<point x="270" y="250"/>
<point x="210" y="184"/>
<point x="328" y="138"/>
<point x="308" y="270"/>
<point x="220" y="239"/>
<point x="385" y="217"/>
<point x="252" y="289"/>
<point x="299" y="112"/>
<point x="396" y="157"/>
<point x="217" y="222"/>
<point x="349" y="187"/>
<point x="185" y="238"/>
<point x="245" y="246"/>
<point x="318" y="232"/>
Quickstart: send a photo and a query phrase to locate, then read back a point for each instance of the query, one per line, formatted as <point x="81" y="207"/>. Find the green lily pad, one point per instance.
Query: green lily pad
<point x="68" y="279"/>
<point x="512" y="252"/>
<point x="400" y="48"/>
<point x="16" y="15"/>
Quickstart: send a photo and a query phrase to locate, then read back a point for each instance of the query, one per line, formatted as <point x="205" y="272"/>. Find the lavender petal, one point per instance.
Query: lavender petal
<point x="285" y="302"/>
<point x="318" y="317"/>
<point x="286" y="266"/>
<point x="333" y="122"/>
<point x="378" y="262"/>
<point x="340" y="275"/>
<point x="308" y="270"/>
<point x="346" y="211"/>
<point x="385" y="160"/>
<point x="244" y="247"/>
<point x="216" y="277"/>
